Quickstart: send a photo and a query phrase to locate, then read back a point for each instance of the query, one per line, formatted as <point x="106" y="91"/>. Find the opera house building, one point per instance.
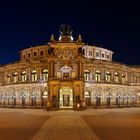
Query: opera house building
<point x="67" y="73"/>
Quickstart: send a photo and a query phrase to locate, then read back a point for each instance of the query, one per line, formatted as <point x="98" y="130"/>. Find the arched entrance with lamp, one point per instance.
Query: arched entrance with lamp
<point x="66" y="98"/>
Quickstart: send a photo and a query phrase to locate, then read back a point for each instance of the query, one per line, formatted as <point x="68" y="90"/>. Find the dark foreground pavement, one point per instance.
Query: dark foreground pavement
<point x="115" y="125"/>
<point x="19" y="126"/>
<point x="90" y="124"/>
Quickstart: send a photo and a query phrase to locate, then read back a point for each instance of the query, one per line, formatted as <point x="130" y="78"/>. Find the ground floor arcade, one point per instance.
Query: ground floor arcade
<point x="69" y="95"/>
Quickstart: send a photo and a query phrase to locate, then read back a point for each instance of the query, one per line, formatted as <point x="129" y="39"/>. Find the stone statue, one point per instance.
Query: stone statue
<point x="65" y="30"/>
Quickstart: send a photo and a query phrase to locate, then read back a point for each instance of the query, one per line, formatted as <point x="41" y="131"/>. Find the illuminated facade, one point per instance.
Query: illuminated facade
<point x="65" y="73"/>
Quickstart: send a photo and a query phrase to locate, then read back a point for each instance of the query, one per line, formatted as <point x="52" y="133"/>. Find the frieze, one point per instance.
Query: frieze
<point x="65" y="54"/>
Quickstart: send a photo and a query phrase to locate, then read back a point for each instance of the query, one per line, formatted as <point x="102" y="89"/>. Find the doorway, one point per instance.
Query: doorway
<point x="66" y="98"/>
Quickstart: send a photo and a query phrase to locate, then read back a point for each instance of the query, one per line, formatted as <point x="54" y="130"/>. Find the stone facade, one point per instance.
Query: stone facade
<point x="65" y="73"/>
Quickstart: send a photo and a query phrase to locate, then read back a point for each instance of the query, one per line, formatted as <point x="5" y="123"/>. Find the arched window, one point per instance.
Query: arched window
<point x="86" y="75"/>
<point x="87" y="94"/>
<point x="23" y="76"/>
<point x="34" y="76"/>
<point x="45" y="75"/>
<point x="123" y="79"/>
<point x="116" y="78"/>
<point x="9" y="78"/>
<point x="66" y="72"/>
<point x="97" y="76"/>
<point x="15" y="77"/>
<point x="108" y="77"/>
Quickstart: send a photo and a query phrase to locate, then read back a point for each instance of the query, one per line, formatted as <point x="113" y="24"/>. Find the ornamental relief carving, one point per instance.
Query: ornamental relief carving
<point x="65" y="54"/>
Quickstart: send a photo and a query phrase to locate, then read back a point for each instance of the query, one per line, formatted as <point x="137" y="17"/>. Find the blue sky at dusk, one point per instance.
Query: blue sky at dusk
<point x="114" y="25"/>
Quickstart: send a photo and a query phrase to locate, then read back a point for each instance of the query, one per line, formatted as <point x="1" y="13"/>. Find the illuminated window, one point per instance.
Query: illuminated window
<point x="15" y="77"/>
<point x="116" y="77"/>
<point x="66" y="72"/>
<point x="108" y="77"/>
<point x="34" y="76"/>
<point x="23" y="76"/>
<point x="45" y="75"/>
<point x="86" y="75"/>
<point x="97" y="76"/>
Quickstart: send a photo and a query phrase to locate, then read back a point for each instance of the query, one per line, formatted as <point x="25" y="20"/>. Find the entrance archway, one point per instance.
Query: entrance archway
<point x="23" y="99"/>
<point x="98" y="99"/>
<point x="34" y="99"/>
<point x="66" y="98"/>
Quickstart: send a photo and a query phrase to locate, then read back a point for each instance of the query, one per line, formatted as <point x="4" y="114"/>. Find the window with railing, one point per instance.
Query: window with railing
<point x="97" y="76"/>
<point x="23" y="76"/>
<point x="34" y="76"/>
<point x="45" y="75"/>
<point x="108" y="77"/>
<point x="86" y="75"/>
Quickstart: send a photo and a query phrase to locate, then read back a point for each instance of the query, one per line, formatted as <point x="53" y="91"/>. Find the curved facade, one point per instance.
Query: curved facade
<point x="68" y="74"/>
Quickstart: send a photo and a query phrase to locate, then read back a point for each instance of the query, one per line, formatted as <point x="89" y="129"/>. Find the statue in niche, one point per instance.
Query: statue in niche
<point x="50" y="50"/>
<point x="81" y="51"/>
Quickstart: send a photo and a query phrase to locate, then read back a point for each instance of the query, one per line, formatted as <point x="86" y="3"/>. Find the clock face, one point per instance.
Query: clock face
<point x="65" y="54"/>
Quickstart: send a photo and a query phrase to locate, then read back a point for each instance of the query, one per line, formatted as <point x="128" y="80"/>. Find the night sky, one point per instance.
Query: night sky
<point x="114" y="25"/>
